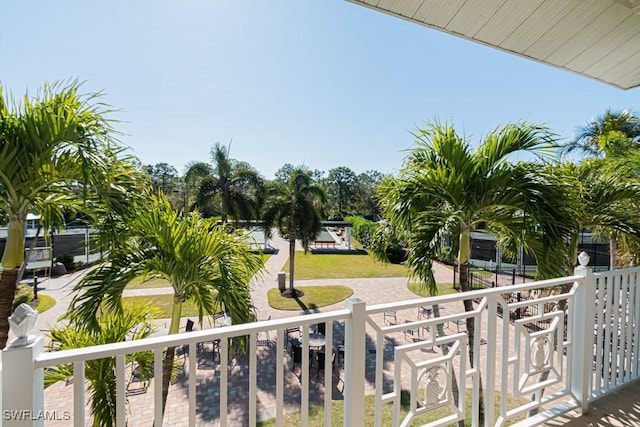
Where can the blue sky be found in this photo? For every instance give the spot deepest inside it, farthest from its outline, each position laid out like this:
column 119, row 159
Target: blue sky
column 325, row 83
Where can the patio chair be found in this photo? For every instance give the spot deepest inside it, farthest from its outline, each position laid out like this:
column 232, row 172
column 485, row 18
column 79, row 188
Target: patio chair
column 320, row 361
column 296, row 353
column 293, row 333
column 389, row 315
column 424, row 312
column 413, row 332
column 263, row 339
column 322, row 328
column 136, row 378
column 220, row 320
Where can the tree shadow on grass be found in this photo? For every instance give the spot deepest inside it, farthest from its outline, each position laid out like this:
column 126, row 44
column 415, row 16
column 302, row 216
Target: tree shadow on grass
column 304, row 306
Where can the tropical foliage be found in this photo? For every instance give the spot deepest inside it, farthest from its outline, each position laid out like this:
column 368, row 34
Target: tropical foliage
column 206, row 265
column 132, row 323
column 57, row 154
column 295, row 208
column 613, row 134
column 363, row 229
column 446, row 188
column 231, row 182
column 605, row 195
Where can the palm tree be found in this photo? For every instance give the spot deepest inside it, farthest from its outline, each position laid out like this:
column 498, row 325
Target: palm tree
column 615, row 134
column 446, row 188
column 205, row 264
column 132, row 323
column 231, row 181
column 294, row 208
column 195, row 171
column 606, row 194
column 56, row 152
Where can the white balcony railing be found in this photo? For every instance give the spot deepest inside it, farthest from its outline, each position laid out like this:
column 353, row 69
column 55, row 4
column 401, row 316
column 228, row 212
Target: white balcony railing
column 538, row 348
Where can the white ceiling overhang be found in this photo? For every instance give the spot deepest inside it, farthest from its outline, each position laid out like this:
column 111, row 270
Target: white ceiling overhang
column 596, row 38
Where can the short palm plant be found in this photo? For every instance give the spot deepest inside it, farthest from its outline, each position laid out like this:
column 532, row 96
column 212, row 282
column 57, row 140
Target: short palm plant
column 207, row 265
column 132, row 323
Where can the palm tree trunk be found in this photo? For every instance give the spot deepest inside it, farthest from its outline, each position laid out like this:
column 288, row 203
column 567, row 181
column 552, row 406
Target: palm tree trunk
column 167, row 367
column 464, row 255
column 292, row 254
column 8, row 283
column 11, row 260
column 613, row 253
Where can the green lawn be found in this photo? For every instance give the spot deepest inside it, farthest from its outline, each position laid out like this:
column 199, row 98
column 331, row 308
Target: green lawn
column 316, row 413
column 164, row 303
column 161, row 283
column 335, row 266
column 483, row 274
column 24, row 294
column 314, row 297
column 153, row 283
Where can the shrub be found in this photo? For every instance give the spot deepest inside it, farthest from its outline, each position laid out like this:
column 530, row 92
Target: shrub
column 397, row 254
column 67, row 260
column 22, row 297
column 363, row 229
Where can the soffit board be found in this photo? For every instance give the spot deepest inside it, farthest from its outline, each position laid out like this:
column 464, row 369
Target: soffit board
column 596, row 38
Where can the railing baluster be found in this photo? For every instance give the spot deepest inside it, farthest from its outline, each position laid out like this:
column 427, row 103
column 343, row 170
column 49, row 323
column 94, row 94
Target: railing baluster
column 224, row 376
column 121, row 391
column 615, row 331
column 328, row 372
column 78, row 394
column 157, row 387
column 304, row 377
column 280, row 374
column 354, row 358
column 253, row 377
column 193, row 366
column 379, row 379
column 489, row 402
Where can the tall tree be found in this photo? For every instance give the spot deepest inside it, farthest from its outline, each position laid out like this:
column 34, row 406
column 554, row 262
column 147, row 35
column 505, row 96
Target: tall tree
column 615, row 134
column 341, row 189
column 446, row 187
column 194, row 173
column 232, row 181
column 206, row 265
column 163, row 177
column 57, row 152
column 295, row 208
column 605, row 195
column 366, row 201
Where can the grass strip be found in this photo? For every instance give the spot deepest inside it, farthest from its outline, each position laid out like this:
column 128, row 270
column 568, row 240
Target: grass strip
column 314, row 297
column 337, row 266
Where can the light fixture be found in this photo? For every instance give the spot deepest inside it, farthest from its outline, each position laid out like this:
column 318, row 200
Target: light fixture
column 583, row 259
column 22, row 322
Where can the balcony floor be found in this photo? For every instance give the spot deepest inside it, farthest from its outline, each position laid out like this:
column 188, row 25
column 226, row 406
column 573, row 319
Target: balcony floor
column 620, row 408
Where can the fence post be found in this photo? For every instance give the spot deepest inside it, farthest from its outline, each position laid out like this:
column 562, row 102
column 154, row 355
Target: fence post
column 22, row 385
column 582, row 315
column 354, row 362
